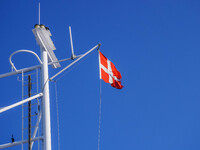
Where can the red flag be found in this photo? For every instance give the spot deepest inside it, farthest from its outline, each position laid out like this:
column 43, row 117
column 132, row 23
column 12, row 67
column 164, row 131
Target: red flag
column 108, row 72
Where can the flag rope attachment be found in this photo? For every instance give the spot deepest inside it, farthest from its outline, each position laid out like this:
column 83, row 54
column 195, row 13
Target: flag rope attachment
column 99, row 130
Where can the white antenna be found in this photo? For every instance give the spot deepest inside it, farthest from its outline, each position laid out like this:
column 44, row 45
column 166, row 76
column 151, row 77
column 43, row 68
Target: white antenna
column 39, row 14
column 72, row 48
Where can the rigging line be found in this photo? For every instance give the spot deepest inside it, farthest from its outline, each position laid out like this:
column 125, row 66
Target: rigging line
column 56, row 94
column 66, row 72
column 45, row 84
column 78, row 63
column 57, row 79
column 99, row 130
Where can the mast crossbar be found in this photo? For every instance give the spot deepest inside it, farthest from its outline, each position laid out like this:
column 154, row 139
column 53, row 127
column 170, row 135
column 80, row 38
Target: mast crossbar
column 24, row 70
column 19, row 142
column 20, row 102
column 98, row 45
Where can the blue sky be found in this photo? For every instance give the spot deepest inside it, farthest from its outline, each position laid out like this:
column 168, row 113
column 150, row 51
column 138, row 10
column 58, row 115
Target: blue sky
column 155, row 46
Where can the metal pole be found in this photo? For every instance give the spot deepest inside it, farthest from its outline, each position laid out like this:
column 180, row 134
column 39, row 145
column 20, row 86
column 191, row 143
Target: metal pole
column 22, row 109
column 36, row 129
column 29, row 113
column 70, row 33
column 19, row 142
column 45, row 102
column 98, row 45
column 31, row 68
column 20, row 102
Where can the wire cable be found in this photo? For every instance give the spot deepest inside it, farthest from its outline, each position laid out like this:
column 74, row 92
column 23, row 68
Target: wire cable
column 74, row 66
column 56, row 94
column 99, row 130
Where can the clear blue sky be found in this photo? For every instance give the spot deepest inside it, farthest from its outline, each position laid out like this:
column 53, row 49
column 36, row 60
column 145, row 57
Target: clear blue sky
column 154, row 44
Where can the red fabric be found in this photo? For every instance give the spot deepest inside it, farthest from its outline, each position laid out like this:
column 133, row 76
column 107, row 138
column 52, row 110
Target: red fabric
column 109, row 75
column 103, row 61
column 104, row 76
column 115, row 71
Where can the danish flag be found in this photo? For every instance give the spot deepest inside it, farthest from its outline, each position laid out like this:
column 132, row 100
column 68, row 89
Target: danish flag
column 108, row 72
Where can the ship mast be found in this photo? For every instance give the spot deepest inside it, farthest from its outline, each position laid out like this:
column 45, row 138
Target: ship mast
column 45, row 102
column 42, row 35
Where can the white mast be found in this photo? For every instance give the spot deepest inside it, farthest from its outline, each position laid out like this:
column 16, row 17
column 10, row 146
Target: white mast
column 45, row 87
column 42, row 35
column 45, row 102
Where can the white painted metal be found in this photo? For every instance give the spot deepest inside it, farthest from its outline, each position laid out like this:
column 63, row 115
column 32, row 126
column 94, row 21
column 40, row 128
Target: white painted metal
column 31, row 68
column 22, row 109
column 59, row 61
column 19, row 71
column 20, row 102
column 74, row 61
column 43, row 39
column 19, row 142
column 38, row 109
column 72, row 48
column 36, row 128
column 19, row 51
column 45, row 102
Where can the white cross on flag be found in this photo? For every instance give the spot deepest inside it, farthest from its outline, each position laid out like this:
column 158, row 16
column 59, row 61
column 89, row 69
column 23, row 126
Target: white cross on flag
column 108, row 72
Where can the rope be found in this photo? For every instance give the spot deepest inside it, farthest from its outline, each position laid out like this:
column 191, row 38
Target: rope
column 56, row 94
column 99, row 131
column 57, row 115
column 75, row 65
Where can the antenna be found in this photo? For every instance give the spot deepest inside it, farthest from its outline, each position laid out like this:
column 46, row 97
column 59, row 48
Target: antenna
column 39, row 13
column 72, row 48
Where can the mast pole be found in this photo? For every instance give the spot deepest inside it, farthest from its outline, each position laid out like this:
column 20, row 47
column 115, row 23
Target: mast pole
column 45, row 102
column 46, row 123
